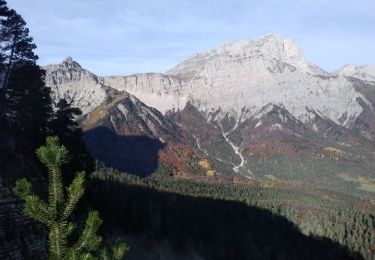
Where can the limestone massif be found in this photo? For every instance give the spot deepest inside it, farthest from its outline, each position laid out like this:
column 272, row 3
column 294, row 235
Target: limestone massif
column 243, row 104
column 244, row 74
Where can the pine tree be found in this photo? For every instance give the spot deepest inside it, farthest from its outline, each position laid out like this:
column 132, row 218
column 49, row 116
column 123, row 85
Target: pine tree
column 56, row 211
column 25, row 102
column 28, row 107
column 4, row 13
column 17, row 46
column 3, row 9
column 64, row 125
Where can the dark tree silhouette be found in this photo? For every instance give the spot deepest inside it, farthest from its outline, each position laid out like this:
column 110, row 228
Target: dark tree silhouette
column 24, row 98
column 17, row 46
column 27, row 107
column 64, row 125
column 4, row 11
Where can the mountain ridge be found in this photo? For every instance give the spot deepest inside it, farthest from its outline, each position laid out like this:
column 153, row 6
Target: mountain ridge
column 270, row 64
column 365, row 72
column 246, row 116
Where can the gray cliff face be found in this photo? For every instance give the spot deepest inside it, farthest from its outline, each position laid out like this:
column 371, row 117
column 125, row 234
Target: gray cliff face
column 161, row 91
column 235, row 81
column 85, row 90
column 235, row 76
column 78, row 86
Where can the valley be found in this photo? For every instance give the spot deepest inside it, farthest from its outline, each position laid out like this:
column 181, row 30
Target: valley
column 161, row 137
column 249, row 121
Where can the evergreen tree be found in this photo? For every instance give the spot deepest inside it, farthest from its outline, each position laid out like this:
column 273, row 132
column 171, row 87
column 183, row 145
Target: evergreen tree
column 25, row 103
column 65, row 126
column 56, row 211
column 17, row 46
column 4, row 11
column 28, row 107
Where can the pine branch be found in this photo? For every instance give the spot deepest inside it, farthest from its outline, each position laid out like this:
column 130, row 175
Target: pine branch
column 54, row 156
column 119, row 250
column 104, row 254
column 38, row 209
column 88, row 256
column 89, row 241
column 22, row 188
column 75, row 192
column 71, row 228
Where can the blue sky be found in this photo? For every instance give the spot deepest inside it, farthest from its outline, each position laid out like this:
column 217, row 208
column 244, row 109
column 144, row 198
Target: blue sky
column 120, row 37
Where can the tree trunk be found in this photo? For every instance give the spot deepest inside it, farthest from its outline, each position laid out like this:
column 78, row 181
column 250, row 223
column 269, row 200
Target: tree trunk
column 9, row 68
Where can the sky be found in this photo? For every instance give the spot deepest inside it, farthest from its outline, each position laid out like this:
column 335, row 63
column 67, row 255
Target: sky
column 121, row 37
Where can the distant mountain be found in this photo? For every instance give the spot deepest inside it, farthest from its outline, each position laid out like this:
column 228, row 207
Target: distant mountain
column 362, row 72
column 254, row 109
column 245, row 74
column 271, row 69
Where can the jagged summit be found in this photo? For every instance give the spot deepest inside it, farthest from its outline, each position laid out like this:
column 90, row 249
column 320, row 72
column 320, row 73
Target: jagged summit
column 70, row 62
column 270, row 48
column 67, row 63
column 79, row 86
column 272, row 45
column 68, row 59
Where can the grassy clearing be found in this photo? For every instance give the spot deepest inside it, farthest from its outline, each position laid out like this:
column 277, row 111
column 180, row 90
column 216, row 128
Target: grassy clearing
column 271, row 177
column 365, row 183
column 334, row 150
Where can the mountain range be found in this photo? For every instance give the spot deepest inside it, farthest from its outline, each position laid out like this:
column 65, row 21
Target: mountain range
column 249, row 111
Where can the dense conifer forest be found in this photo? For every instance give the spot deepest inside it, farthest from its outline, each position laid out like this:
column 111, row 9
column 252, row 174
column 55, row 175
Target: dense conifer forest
column 277, row 223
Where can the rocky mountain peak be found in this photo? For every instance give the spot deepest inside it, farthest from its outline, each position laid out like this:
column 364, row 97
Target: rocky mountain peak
column 69, row 59
column 271, row 45
column 364, row 72
column 67, row 71
column 78, row 86
column 69, row 62
column 264, row 51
